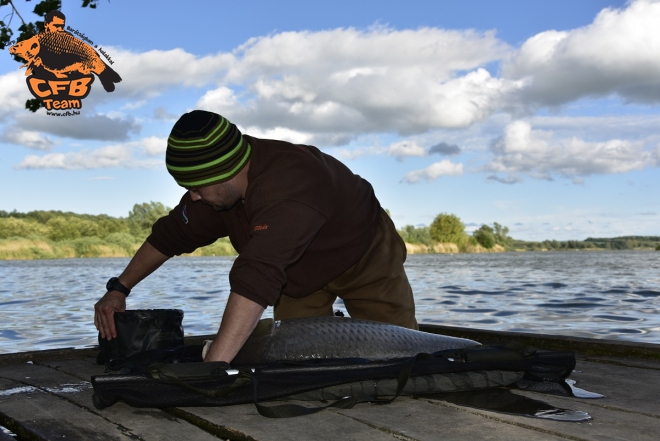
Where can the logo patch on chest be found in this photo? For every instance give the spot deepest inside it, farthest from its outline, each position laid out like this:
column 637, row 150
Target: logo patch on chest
column 184, row 215
column 260, row 227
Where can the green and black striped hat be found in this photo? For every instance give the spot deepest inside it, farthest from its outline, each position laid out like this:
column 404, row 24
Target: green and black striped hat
column 205, row 149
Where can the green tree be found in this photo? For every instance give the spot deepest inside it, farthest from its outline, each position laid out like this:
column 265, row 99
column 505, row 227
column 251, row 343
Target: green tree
column 448, row 228
column 411, row 234
column 143, row 216
column 28, row 29
column 15, row 227
column 63, row 228
column 501, row 234
column 485, row 236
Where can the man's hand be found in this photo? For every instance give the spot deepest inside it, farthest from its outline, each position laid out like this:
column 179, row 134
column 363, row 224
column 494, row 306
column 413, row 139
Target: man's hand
column 145, row 261
column 238, row 321
column 104, row 310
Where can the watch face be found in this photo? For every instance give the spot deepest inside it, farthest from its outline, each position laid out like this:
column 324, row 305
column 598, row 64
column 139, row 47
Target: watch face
column 111, row 284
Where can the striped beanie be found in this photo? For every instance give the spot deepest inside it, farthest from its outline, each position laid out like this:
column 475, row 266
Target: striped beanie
column 205, row 149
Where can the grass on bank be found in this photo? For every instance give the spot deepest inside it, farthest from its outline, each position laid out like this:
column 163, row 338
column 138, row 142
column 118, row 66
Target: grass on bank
column 58, row 235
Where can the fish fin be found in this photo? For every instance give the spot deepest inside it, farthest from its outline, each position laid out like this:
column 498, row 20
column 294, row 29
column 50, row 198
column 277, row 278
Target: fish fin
column 108, row 77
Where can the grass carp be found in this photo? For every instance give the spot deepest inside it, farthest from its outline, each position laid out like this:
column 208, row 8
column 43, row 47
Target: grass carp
column 62, row 54
column 338, row 337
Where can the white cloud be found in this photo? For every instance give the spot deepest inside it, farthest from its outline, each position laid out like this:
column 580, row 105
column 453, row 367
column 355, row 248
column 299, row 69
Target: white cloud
column 30, row 139
column 279, row 133
column 152, row 145
column 400, row 150
column 104, row 157
column 359, row 152
column 221, row 100
column 536, row 153
column 406, row 148
column 345, row 82
column 13, row 93
column 97, row 127
column 616, row 53
column 161, row 114
column 434, row 171
column 506, row 180
column 111, row 156
column 150, row 73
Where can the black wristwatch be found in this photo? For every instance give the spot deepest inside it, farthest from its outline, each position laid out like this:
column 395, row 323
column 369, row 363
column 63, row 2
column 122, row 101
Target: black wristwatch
column 115, row 285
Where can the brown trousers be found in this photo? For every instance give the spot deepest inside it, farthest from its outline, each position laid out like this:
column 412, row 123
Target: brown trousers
column 375, row 288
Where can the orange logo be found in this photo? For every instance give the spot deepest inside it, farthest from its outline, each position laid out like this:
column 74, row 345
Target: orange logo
column 260, row 227
column 60, row 66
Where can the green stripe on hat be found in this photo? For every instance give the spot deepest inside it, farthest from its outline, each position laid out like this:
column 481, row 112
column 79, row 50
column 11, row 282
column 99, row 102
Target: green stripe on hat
column 220, row 178
column 208, row 164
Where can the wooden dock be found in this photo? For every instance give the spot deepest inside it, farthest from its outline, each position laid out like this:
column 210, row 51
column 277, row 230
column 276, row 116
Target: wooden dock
column 46, row 395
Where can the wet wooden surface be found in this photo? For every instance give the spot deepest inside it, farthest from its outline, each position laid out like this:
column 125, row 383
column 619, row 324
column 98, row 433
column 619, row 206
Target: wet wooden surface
column 52, row 400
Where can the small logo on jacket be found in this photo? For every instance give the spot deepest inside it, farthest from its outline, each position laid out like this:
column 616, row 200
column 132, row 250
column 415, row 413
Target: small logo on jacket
column 260, row 227
column 184, row 215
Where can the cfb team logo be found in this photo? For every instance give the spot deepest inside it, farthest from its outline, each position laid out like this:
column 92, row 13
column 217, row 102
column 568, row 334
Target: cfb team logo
column 60, row 66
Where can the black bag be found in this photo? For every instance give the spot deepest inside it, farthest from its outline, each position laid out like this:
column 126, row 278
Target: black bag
column 141, row 330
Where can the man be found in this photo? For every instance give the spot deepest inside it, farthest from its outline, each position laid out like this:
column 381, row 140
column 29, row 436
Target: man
column 306, row 228
column 54, row 21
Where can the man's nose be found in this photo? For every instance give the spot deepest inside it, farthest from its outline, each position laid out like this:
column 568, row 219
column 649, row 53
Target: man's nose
column 194, row 195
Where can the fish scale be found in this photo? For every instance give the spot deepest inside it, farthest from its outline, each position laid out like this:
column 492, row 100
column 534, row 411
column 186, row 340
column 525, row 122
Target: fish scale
column 338, row 337
column 61, row 48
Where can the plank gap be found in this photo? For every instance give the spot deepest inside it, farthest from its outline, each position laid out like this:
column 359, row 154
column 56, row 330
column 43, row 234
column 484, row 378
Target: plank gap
column 216, row 430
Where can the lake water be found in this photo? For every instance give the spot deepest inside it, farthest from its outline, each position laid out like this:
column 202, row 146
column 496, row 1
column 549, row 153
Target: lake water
column 48, row 304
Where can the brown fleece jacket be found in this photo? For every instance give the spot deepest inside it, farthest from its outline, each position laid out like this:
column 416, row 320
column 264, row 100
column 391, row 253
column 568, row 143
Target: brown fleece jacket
column 305, row 220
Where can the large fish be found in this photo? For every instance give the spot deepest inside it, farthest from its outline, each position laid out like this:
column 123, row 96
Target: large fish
column 337, row 337
column 62, row 54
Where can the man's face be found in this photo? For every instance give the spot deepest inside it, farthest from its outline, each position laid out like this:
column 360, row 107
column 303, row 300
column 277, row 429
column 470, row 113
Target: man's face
column 221, row 196
column 55, row 25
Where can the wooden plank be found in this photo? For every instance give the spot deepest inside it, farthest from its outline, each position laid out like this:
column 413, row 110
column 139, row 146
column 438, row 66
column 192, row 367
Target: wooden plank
column 30, row 412
column 606, row 424
column 49, row 354
column 618, row 361
column 82, row 368
column 323, row 426
column 629, row 388
column 409, row 418
column 145, row 424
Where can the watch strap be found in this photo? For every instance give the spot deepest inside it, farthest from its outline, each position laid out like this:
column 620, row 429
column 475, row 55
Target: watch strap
column 115, row 285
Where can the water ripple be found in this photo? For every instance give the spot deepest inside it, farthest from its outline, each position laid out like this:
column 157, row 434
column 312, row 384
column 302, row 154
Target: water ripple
column 613, row 295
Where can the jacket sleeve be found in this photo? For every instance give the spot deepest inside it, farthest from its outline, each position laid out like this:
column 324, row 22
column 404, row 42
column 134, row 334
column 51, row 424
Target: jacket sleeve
column 280, row 234
column 190, row 225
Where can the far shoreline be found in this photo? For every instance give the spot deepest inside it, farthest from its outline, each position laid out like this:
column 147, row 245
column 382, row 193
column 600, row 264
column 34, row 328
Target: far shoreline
column 27, row 249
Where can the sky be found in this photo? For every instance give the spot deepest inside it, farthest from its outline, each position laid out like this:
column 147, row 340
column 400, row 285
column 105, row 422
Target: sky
column 541, row 116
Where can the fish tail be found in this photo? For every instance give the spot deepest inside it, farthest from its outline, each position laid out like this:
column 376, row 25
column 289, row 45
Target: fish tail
column 108, row 78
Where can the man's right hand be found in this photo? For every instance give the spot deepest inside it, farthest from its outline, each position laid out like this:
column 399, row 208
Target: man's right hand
column 104, row 310
column 144, row 262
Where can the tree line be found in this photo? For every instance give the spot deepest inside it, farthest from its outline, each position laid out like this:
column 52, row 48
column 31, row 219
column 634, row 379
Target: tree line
column 55, row 234
column 448, row 228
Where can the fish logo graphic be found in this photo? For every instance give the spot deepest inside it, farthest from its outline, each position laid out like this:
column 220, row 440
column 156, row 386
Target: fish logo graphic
column 60, row 67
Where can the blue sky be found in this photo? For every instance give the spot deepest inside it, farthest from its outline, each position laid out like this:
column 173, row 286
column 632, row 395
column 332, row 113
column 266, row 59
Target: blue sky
column 541, row 115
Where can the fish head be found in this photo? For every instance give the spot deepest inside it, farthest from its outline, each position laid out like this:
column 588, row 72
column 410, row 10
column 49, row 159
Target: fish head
column 26, row 49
